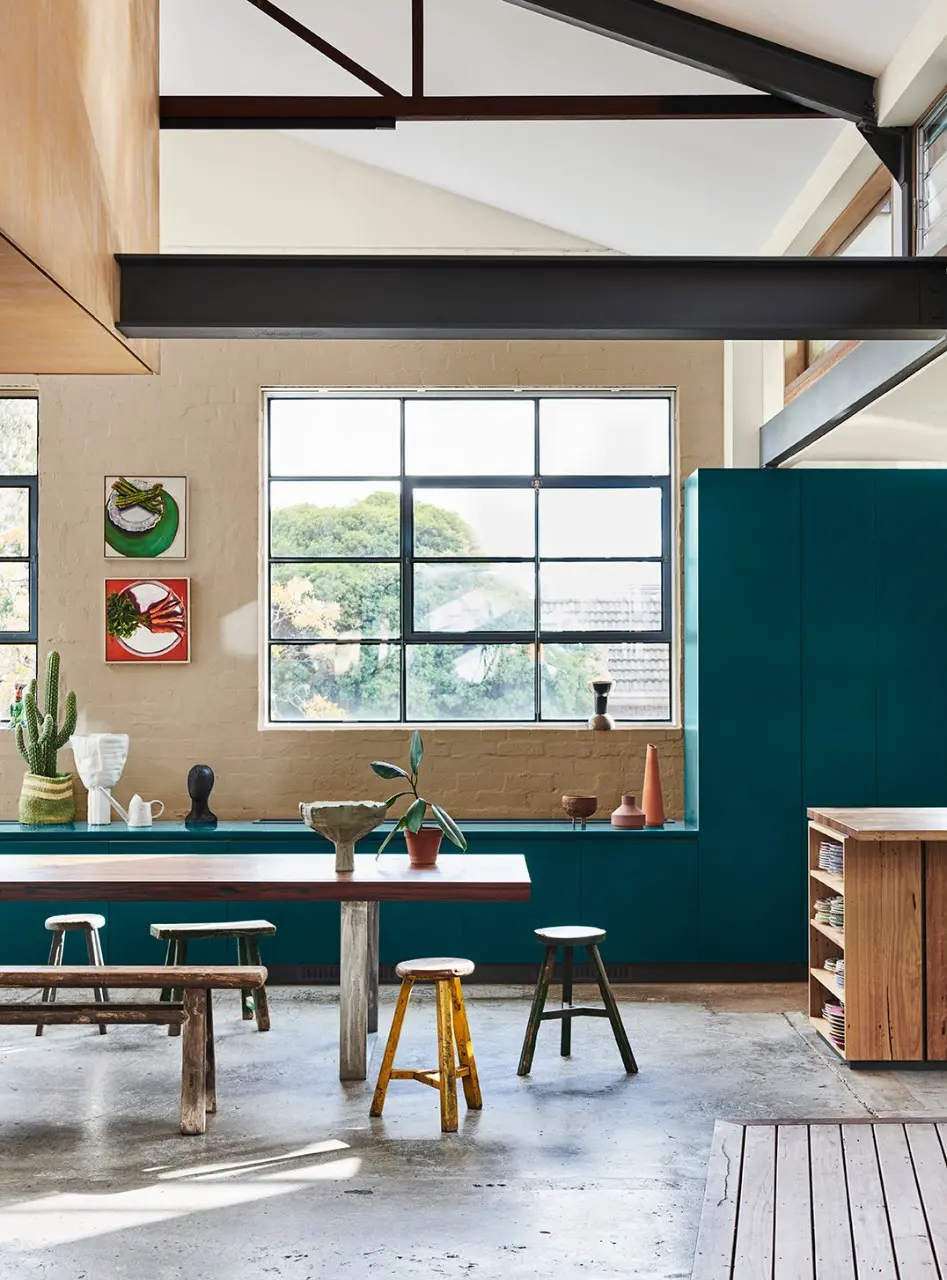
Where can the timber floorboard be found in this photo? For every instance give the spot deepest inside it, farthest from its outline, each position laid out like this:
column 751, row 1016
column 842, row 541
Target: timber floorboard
column 825, row 1201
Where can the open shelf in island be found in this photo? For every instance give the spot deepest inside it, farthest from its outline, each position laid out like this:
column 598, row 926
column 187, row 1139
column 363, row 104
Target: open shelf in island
column 895, row 938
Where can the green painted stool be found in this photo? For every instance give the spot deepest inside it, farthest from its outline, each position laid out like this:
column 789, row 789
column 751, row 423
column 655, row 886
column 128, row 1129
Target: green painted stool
column 569, row 937
column 248, row 953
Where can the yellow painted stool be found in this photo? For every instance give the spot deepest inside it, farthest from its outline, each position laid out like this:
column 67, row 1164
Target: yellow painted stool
column 445, row 972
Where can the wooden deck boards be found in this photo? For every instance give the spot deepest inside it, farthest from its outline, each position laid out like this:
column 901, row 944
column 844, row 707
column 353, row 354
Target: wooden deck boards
column 825, row 1201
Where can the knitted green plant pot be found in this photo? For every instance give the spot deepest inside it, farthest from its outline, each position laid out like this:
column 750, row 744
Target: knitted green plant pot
column 47, row 801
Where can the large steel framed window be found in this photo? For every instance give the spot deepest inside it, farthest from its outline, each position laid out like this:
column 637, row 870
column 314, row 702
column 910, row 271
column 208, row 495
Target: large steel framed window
column 19, row 517
column 468, row 558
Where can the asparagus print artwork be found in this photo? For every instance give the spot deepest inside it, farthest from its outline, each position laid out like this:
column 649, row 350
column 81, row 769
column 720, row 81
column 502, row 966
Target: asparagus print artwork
column 147, row 620
column 146, row 517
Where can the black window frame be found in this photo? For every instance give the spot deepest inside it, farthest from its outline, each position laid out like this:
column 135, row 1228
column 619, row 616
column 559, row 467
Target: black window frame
column 31, row 559
column 407, row 559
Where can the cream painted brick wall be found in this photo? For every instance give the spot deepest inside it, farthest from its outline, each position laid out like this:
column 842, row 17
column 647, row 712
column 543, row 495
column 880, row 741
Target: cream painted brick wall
column 201, row 417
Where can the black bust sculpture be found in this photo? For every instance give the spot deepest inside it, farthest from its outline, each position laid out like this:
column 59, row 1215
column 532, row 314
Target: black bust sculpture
column 200, row 783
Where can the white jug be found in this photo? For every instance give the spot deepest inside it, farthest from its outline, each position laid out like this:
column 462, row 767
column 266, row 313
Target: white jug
column 140, row 812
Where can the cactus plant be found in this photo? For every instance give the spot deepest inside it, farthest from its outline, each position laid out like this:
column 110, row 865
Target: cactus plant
column 38, row 734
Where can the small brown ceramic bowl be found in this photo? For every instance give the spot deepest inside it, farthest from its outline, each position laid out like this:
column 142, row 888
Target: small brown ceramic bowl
column 580, row 807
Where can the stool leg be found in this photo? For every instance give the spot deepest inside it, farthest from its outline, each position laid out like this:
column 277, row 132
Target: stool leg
column 260, row 1002
column 614, row 1017
column 180, row 957
column 465, row 1053
column 565, row 1037
column 388, row 1061
column 246, row 995
column 447, row 1070
column 171, row 957
column 94, row 953
column 55, row 957
column 536, row 1012
column 210, row 1056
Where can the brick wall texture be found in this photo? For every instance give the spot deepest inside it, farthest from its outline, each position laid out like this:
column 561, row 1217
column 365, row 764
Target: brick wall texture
column 201, row 418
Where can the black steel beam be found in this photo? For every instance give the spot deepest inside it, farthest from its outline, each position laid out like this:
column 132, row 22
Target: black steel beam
column 862, row 377
column 522, row 296
column 722, row 51
column 258, row 112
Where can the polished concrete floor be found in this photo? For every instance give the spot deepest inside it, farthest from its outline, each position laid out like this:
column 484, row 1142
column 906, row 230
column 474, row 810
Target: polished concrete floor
column 578, row 1171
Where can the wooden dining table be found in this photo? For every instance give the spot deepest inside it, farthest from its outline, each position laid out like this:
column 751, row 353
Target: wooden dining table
column 169, row 877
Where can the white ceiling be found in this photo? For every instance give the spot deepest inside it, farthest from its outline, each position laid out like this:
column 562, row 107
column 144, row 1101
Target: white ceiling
column 649, row 188
column 907, row 426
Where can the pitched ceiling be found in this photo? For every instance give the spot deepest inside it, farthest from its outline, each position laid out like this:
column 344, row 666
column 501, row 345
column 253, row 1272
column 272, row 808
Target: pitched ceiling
column 638, row 187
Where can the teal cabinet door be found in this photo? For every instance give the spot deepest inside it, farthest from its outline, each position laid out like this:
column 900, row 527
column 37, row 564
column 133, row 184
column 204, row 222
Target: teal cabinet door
column 747, row 632
column 839, row 737
column 911, row 621
column 646, row 899
column 502, row 932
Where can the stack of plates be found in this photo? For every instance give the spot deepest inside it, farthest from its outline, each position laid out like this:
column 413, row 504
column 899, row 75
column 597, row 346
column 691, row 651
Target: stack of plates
column 837, row 913
column 831, row 964
column 840, row 973
column 823, row 910
column 834, row 1015
column 832, row 857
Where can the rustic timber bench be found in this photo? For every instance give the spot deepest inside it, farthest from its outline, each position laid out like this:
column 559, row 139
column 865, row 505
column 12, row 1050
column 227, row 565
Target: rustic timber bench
column 194, row 1013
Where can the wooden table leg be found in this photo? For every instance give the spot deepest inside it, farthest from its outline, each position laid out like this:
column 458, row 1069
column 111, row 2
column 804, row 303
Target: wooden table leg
column 373, row 920
column 565, row 1039
column 353, row 992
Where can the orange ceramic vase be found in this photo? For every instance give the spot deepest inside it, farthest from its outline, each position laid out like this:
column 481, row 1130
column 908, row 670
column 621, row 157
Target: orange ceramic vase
column 652, row 801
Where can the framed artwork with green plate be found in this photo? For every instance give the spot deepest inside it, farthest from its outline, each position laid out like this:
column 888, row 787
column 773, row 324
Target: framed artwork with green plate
column 146, row 517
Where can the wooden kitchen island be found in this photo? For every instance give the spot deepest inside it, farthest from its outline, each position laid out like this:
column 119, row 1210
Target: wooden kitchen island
column 894, row 937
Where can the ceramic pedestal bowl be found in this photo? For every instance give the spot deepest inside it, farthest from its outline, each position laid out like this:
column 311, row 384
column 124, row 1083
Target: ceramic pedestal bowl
column 343, row 822
column 580, row 807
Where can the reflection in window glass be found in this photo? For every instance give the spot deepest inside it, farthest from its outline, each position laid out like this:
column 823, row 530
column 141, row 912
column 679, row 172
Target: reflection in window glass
column 19, row 418
column 474, row 522
column 334, row 682
column 326, row 600
column 322, row 436
column 616, row 596
column 475, row 437
column 515, row 551
column 599, row 522
column 624, row 436
column 474, row 597
column 641, row 675
column 329, row 518
column 470, row 682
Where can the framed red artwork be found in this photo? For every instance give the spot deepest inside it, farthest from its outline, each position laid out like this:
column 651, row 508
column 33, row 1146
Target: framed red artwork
column 147, row 620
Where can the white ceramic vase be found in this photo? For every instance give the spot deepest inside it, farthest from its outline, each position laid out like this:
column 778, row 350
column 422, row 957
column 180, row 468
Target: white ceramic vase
column 100, row 759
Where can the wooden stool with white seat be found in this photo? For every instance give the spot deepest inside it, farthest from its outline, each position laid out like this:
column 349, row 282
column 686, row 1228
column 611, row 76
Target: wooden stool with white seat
column 88, row 923
column 452, row 1029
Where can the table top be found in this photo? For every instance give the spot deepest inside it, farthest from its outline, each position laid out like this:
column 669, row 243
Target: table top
column 297, row 877
column 884, row 824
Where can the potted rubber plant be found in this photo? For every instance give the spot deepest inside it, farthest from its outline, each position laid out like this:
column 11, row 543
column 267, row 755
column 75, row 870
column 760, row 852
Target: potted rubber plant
column 47, row 796
column 423, row 842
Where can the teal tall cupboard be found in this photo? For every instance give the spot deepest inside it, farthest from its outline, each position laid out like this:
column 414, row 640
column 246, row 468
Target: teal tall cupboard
column 814, row 674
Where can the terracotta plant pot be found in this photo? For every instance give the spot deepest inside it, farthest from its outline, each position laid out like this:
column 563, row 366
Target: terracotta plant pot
column 423, row 846
column 628, row 817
